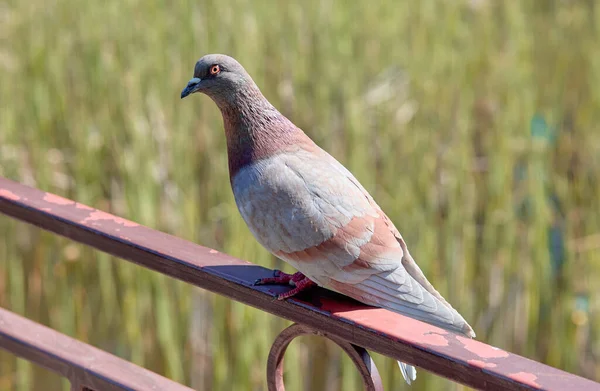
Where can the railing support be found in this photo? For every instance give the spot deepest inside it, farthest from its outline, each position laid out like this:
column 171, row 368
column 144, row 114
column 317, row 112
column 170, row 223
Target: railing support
column 359, row 356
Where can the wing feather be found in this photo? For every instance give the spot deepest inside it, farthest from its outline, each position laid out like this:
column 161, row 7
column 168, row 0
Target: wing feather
column 310, row 211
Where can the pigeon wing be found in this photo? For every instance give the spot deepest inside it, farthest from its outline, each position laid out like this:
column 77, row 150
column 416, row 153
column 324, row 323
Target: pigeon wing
column 309, row 210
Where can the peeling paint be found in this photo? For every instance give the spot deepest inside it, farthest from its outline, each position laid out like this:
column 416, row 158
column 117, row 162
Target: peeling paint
column 481, row 364
column 525, row 378
column 9, row 194
column 409, row 329
column 434, row 339
column 58, row 200
column 82, row 206
column 98, row 215
column 480, row 349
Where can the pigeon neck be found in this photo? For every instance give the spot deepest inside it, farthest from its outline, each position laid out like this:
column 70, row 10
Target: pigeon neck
column 254, row 129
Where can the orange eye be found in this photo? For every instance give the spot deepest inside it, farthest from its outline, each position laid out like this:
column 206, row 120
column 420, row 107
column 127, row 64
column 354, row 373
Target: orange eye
column 215, row 69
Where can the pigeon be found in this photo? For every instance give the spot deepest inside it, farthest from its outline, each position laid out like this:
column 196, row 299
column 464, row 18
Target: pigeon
column 307, row 209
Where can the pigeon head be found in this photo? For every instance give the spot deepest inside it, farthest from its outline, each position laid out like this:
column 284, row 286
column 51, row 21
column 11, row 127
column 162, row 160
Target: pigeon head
column 220, row 77
column 253, row 127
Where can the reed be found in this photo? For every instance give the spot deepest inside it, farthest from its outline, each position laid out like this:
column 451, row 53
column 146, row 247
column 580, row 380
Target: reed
column 473, row 123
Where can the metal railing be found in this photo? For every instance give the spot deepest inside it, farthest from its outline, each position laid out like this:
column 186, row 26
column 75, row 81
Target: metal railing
column 356, row 328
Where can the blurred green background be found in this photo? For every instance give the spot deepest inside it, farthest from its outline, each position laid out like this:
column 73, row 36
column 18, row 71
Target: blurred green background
column 474, row 124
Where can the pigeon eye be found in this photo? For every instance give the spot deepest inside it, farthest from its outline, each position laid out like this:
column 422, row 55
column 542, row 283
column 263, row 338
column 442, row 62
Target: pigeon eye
column 215, row 69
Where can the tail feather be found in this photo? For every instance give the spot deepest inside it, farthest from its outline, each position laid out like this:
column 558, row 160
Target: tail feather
column 411, row 299
column 408, row 372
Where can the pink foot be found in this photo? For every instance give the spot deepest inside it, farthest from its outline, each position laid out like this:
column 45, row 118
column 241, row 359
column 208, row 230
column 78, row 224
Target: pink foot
column 299, row 280
column 301, row 285
column 279, row 278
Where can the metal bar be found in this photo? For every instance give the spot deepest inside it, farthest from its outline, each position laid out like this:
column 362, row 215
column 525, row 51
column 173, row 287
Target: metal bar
column 85, row 366
column 463, row 360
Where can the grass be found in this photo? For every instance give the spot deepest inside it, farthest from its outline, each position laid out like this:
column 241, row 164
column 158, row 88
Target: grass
column 473, row 123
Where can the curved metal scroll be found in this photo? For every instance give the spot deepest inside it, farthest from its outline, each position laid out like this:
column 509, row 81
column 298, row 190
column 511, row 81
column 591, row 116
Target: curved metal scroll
column 360, row 357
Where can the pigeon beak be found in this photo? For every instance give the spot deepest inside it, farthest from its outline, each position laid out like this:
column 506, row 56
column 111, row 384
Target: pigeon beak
column 192, row 86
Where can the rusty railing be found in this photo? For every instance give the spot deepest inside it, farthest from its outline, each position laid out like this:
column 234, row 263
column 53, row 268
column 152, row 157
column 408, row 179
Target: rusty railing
column 356, row 328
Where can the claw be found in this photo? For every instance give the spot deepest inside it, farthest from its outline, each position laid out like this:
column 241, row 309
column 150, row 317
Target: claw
column 279, row 277
column 301, row 285
column 298, row 280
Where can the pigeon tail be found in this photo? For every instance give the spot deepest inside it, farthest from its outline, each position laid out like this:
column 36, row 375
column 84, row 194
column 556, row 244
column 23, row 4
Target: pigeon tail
column 409, row 373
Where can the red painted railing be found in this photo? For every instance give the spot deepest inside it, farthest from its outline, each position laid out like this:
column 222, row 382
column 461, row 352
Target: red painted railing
column 351, row 325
